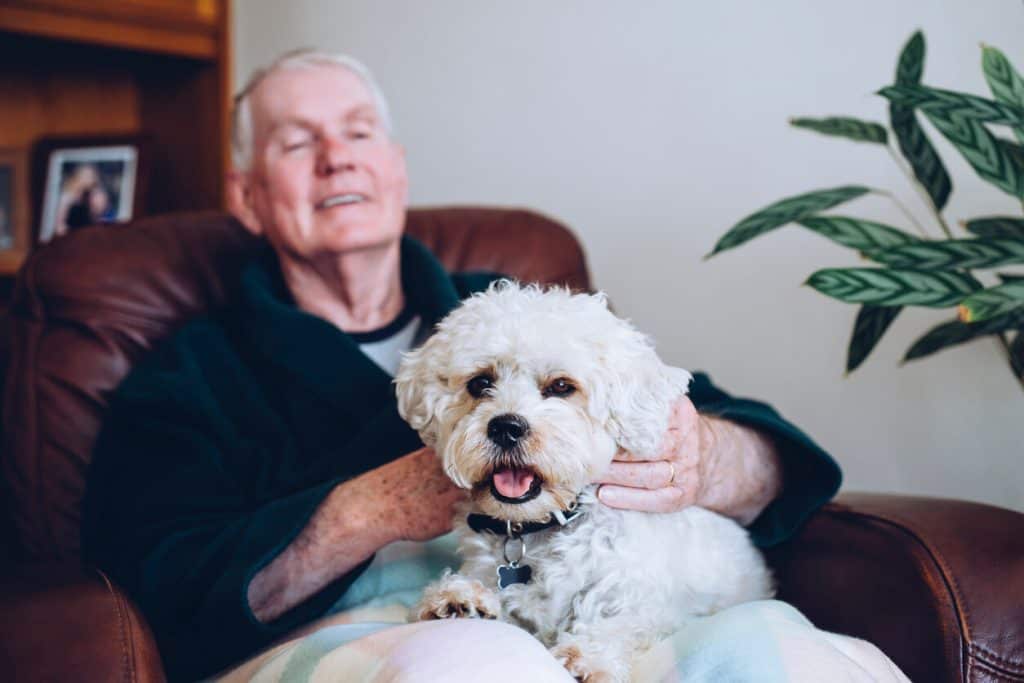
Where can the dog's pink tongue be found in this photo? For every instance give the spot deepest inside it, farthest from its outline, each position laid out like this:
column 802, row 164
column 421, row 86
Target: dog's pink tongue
column 513, row 482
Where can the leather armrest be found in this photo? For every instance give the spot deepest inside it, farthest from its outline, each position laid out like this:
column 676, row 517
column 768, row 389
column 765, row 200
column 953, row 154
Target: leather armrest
column 937, row 584
column 64, row 622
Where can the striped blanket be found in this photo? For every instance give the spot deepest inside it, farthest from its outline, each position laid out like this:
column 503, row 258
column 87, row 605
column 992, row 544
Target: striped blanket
column 365, row 638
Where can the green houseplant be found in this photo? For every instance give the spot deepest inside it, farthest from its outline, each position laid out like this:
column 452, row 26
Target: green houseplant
column 913, row 269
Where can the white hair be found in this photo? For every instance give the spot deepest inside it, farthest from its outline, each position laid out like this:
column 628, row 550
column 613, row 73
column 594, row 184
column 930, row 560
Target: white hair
column 241, row 114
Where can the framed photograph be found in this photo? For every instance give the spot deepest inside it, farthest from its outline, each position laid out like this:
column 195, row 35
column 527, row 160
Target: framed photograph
column 14, row 199
column 87, row 181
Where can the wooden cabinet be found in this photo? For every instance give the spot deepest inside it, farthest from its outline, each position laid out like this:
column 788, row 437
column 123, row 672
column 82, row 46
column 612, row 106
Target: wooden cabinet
column 153, row 67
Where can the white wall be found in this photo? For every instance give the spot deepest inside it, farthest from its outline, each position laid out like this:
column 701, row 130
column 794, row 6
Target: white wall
column 651, row 128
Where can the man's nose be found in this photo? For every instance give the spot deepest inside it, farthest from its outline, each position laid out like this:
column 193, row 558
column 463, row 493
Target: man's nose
column 334, row 154
column 507, row 430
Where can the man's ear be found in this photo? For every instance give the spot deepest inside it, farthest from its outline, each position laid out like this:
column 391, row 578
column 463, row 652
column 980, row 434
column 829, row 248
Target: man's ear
column 240, row 200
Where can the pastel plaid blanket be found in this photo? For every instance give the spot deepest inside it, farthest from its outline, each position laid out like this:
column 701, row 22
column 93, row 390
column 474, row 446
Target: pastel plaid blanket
column 365, row 638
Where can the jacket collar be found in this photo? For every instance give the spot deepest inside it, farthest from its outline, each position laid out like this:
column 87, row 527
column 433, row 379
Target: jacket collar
column 298, row 342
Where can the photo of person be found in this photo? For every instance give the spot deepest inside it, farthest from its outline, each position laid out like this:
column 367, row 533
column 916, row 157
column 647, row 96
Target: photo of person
column 87, row 186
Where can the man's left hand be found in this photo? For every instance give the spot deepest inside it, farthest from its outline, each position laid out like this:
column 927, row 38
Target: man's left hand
column 702, row 461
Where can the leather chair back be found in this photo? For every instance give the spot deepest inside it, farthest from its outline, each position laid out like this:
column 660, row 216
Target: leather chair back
column 89, row 304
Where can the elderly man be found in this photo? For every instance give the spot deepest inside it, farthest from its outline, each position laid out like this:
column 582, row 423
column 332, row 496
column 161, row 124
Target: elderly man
column 276, row 464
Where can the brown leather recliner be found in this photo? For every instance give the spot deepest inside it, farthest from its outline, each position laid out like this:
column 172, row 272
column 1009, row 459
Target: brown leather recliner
column 937, row 584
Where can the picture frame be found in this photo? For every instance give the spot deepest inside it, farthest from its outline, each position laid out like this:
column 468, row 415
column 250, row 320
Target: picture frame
column 82, row 181
column 14, row 200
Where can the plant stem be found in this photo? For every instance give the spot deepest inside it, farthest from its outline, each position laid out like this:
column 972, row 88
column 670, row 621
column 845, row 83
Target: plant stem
column 942, row 222
column 906, row 213
column 925, row 197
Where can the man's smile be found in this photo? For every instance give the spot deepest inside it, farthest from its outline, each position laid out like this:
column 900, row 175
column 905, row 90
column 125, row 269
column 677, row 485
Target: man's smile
column 343, row 199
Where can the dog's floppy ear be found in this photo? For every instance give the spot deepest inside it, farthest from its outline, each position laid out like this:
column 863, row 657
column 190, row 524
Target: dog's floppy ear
column 421, row 392
column 640, row 392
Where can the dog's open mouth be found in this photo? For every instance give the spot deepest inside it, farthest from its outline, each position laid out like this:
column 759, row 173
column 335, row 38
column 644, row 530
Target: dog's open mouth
column 515, row 484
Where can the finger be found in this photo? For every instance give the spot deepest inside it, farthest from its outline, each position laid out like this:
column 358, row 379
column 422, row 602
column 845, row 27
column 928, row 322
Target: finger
column 625, row 498
column 644, row 475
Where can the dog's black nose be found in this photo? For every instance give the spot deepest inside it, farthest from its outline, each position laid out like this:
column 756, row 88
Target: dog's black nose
column 507, row 430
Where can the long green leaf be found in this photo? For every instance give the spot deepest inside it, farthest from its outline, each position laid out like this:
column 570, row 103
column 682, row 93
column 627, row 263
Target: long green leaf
column 845, row 127
column 953, row 254
column 1009, row 277
column 981, row 150
column 1003, row 79
column 910, row 66
column 956, row 332
column 856, row 233
column 913, row 143
column 996, row 226
column 785, row 211
column 948, row 103
column 888, row 287
column 1014, row 151
column 871, row 324
column 992, row 302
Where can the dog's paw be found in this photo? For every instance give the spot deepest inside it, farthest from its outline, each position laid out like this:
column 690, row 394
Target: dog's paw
column 586, row 669
column 456, row 597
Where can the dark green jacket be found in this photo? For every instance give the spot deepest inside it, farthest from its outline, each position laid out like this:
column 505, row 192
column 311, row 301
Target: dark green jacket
column 219, row 446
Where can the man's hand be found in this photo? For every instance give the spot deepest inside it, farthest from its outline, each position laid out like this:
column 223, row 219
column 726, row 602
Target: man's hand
column 703, row 461
column 409, row 498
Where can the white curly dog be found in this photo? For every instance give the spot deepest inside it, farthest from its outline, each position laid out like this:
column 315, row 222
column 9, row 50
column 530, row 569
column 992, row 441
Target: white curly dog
column 527, row 395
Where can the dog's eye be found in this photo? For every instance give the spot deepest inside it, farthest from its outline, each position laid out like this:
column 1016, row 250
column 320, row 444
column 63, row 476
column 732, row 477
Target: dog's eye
column 478, row 385
column 560, row 387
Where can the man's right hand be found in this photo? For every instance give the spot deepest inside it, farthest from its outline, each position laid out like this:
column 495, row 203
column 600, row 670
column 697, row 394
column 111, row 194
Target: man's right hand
column 409, row 498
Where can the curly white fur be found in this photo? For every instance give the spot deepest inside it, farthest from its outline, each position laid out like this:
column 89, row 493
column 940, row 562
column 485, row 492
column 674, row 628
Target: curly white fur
column 613, row 582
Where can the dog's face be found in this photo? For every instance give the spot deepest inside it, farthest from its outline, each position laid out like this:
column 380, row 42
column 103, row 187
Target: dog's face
column 527, row 395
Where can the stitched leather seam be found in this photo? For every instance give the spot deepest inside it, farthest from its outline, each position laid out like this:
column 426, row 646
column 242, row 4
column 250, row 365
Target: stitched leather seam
column 996, row 660
column 995, row 671
column 972, row 647
column 123, row 628
column 944, row 572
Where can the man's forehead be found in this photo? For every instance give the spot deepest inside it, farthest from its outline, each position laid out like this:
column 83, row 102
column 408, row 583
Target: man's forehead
column 310, row 92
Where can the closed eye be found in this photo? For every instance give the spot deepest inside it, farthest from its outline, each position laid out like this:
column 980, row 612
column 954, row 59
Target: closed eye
column 293, row 136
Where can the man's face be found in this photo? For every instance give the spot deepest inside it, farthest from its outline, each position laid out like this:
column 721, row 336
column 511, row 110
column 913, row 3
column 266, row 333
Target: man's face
column 325, row 177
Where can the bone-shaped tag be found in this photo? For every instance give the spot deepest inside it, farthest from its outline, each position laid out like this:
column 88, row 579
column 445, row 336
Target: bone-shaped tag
column 513, row 573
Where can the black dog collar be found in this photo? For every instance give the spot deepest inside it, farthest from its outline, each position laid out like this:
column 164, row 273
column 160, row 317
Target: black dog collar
column 502, row 527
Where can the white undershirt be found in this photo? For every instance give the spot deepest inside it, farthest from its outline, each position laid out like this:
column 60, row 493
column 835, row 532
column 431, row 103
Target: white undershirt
column 387, row 352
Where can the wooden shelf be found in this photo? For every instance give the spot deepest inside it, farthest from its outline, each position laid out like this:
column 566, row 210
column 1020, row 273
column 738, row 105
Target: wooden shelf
column 173, row 27
column 158, row 68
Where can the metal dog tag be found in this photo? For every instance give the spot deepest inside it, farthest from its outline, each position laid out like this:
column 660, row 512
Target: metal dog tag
column 513, row 572
column 509, row 574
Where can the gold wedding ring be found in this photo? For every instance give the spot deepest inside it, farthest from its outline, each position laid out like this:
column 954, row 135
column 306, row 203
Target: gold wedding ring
column 672, row 471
